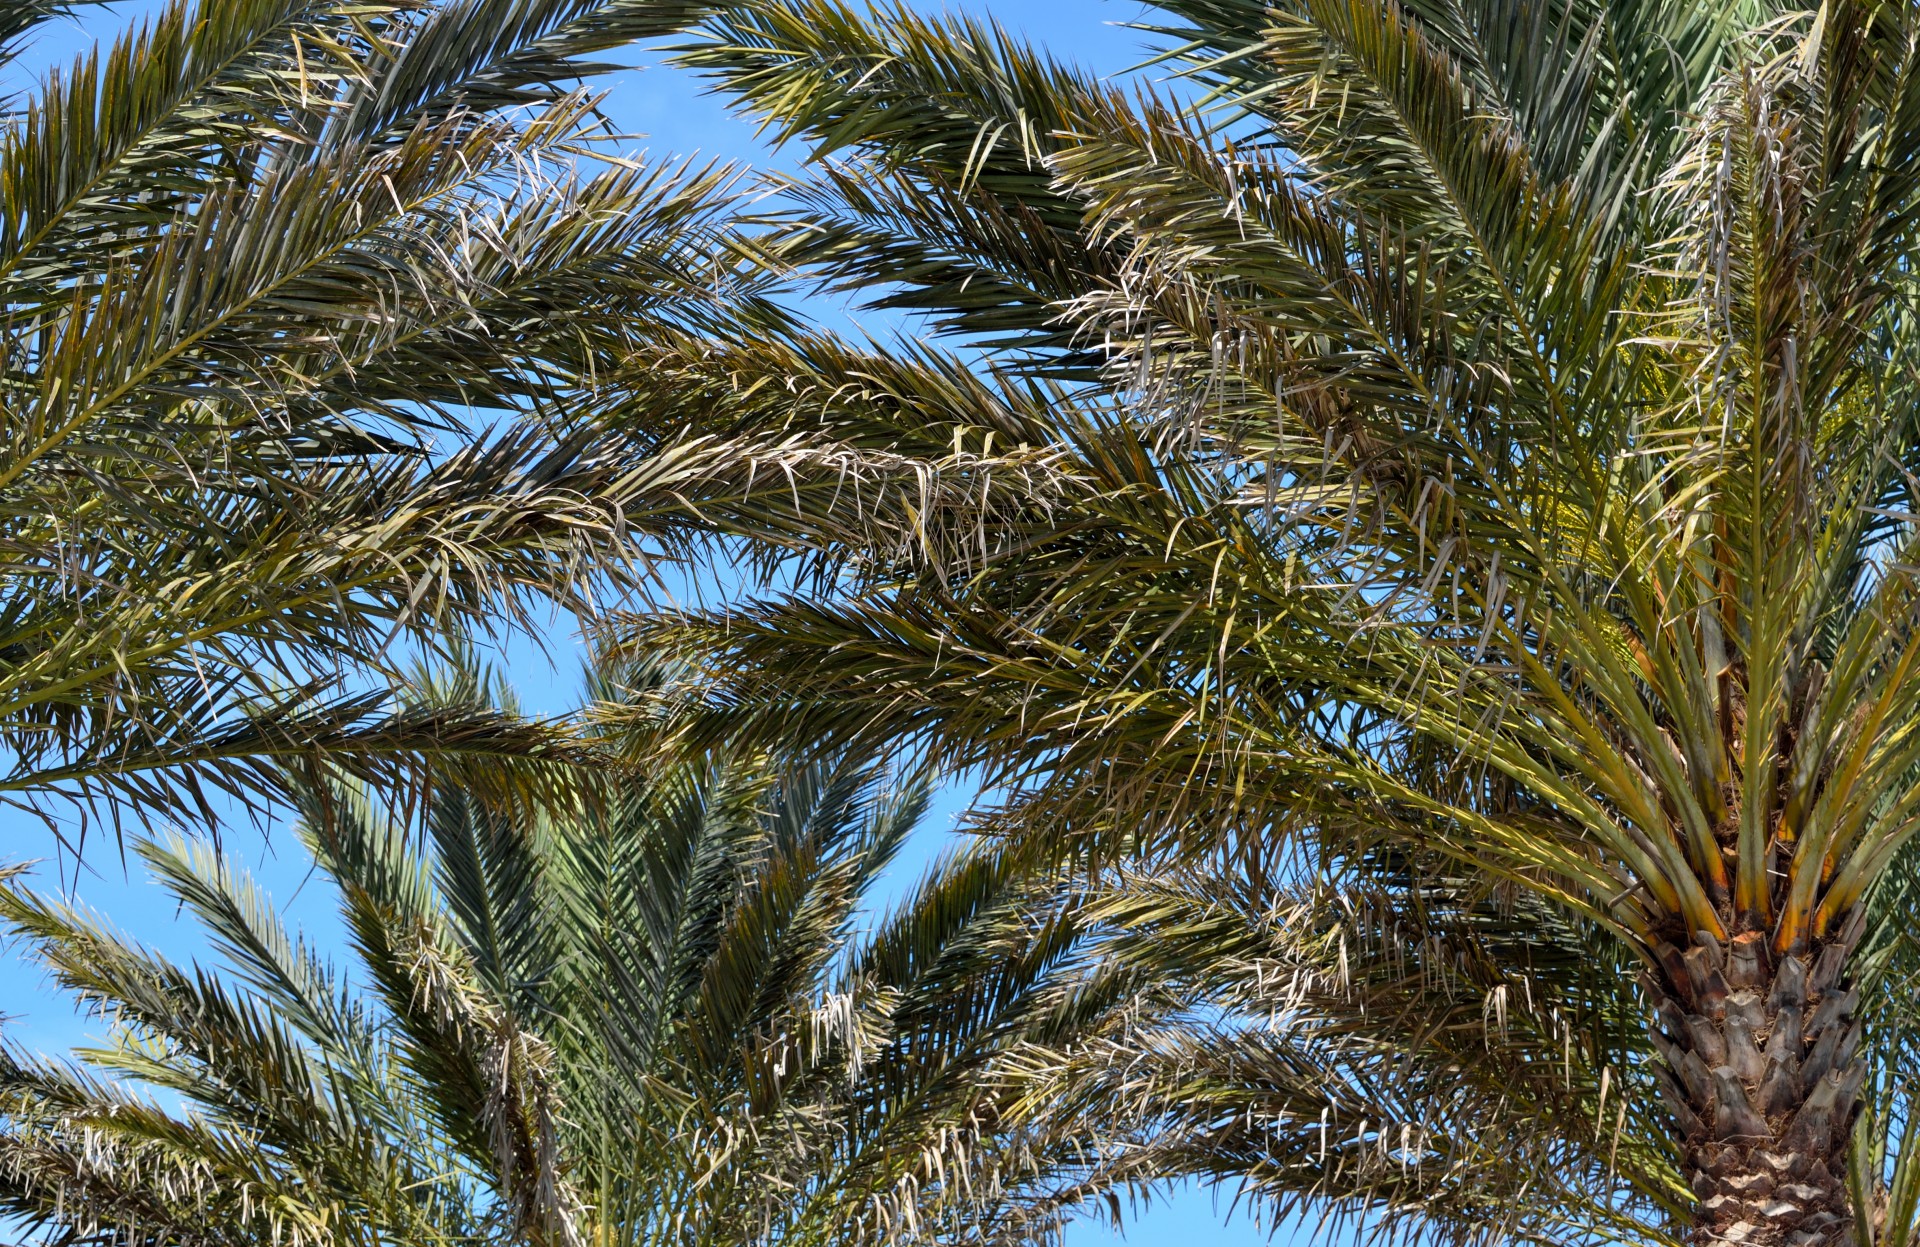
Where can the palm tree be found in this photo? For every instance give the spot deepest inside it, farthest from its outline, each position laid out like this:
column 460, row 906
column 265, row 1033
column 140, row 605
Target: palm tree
column 270, row 268
column 650, row 1018
column 1483, row 431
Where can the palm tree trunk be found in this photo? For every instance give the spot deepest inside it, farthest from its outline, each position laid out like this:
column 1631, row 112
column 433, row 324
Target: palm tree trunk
column 1763, row 1076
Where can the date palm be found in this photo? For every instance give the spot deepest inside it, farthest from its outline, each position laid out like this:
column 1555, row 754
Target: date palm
column 1484, row 429
column 652, row 1018
column 304, row 304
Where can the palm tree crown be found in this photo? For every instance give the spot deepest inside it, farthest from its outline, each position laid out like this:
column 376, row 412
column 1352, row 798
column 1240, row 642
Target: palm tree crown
column 1484, row 430
column 650, row 1019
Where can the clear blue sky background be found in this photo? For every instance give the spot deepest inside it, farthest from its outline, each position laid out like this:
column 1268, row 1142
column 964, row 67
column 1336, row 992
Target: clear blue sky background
column 675, row 116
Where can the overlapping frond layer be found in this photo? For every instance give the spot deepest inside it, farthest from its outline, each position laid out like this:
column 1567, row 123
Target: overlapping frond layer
column 1402, row 1048
column 307, row 310
column 617, row 1019
column 1502, row 442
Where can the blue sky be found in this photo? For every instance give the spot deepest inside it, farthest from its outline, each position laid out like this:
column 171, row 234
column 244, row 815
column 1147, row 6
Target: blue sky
column 676, row 117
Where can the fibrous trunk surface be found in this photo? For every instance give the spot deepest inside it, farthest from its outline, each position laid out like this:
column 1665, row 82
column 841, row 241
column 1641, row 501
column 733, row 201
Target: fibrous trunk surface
column 1763, row 1078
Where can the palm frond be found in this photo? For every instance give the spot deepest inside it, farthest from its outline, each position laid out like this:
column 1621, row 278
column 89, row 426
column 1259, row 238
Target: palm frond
column 1500, row 442
column 619, row 1016
column 257, row 258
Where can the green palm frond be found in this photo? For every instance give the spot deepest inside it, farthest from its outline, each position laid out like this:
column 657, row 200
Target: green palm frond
column 308, row 311
column 1399, row 1047
column 931, row 140
column 642, row 1015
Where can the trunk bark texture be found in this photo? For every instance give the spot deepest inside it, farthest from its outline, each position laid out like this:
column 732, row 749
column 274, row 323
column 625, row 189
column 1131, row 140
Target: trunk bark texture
column 1763, row 1076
